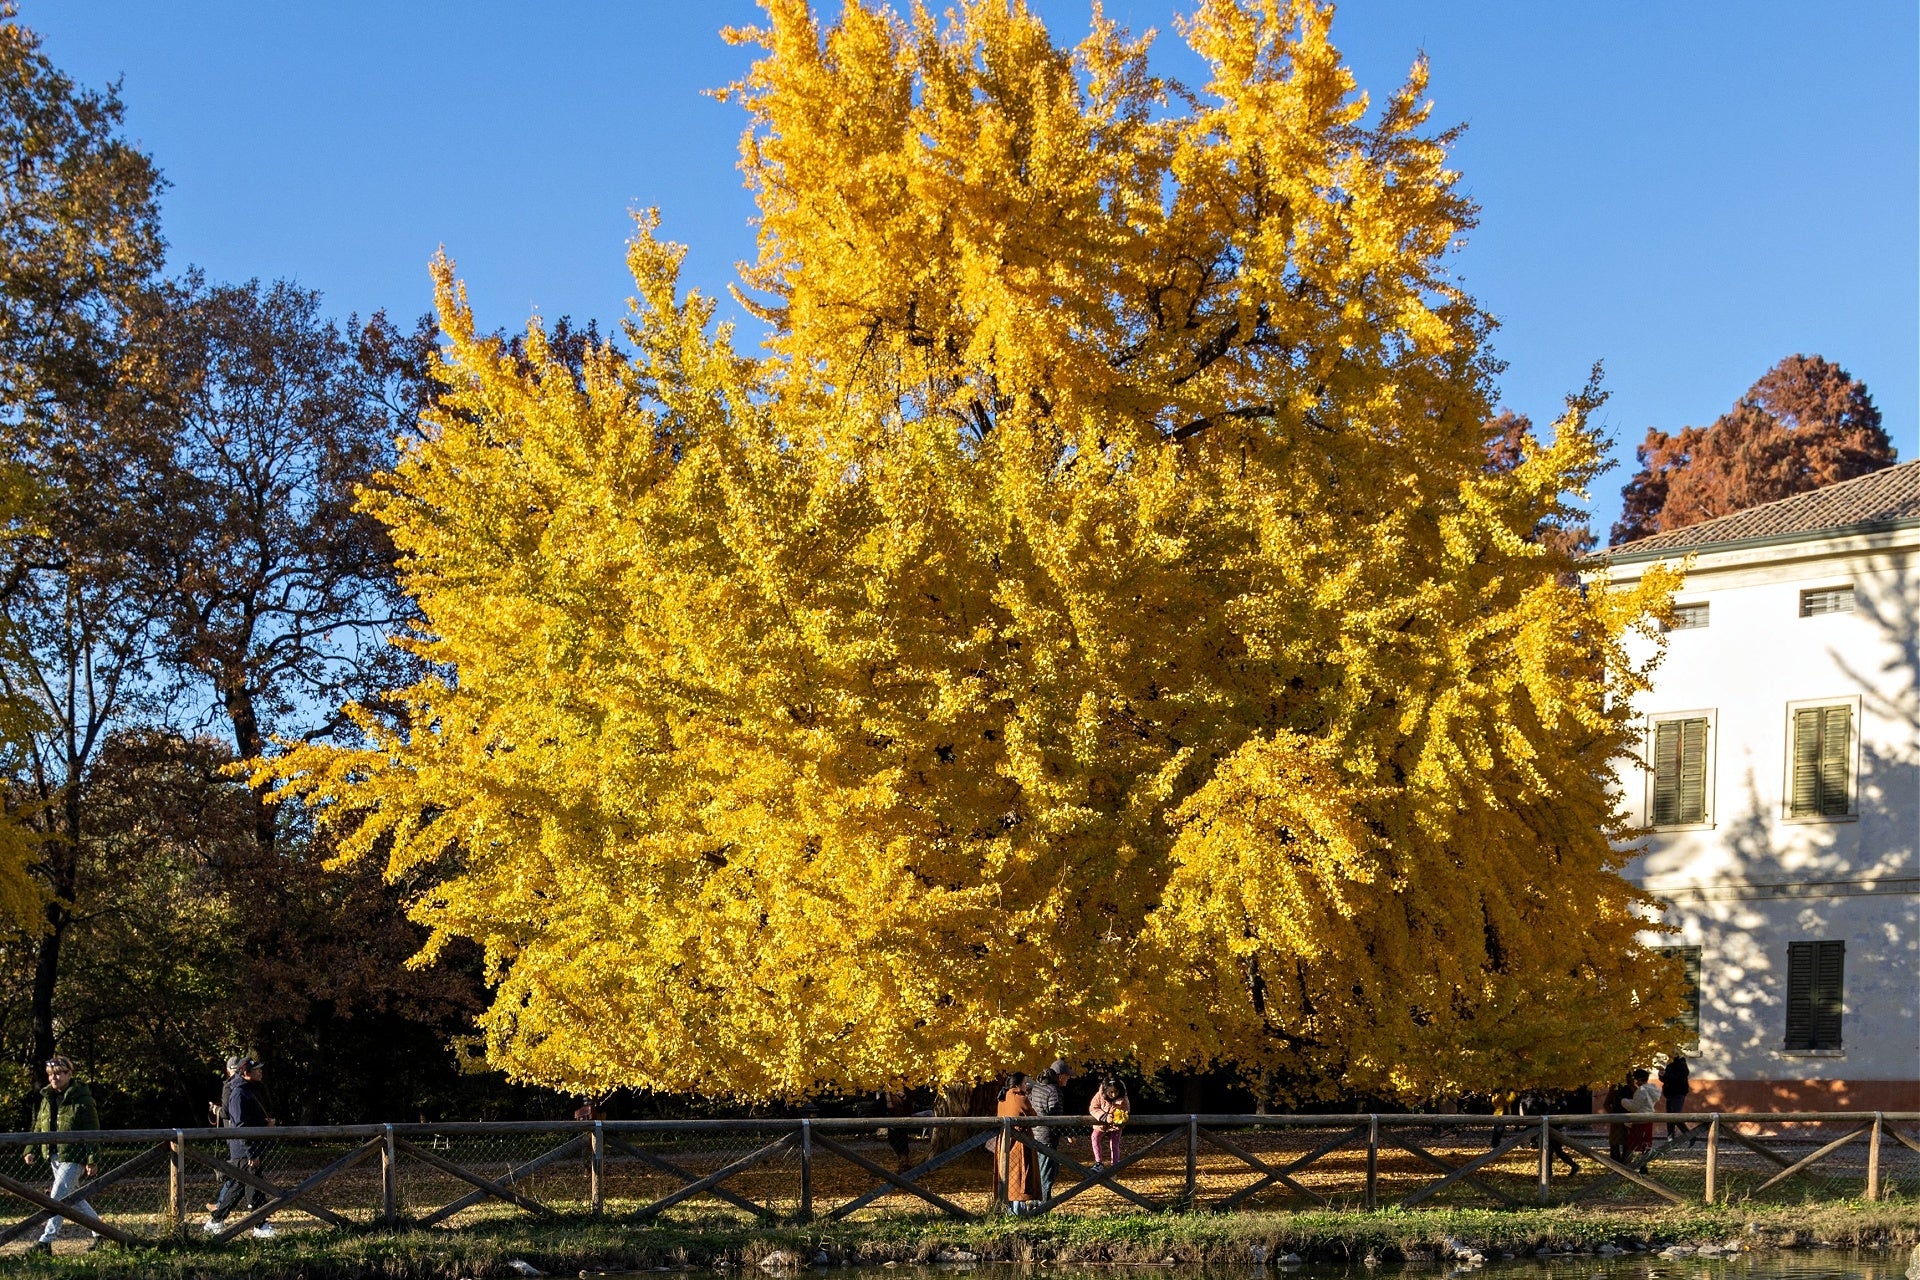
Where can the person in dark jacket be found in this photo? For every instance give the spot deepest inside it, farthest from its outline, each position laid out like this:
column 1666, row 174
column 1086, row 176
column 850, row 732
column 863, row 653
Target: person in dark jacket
column 896, row 1103
column 1674, row 1088
column 66, row 1106
column 1045, row 1094
column 243, row 1106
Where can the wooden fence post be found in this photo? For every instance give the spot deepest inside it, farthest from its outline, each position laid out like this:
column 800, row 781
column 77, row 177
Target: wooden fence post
column 597, row 1169
column 1546, row 1157
column 1873, row 1157
column 1373, row 1162
column 389, row 1178
column 1193, row 1158
column 177, row 1184
column 1713, row 1157
column 806, row 1171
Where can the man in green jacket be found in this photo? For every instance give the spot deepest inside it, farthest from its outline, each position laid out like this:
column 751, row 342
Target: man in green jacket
column 66, row 1106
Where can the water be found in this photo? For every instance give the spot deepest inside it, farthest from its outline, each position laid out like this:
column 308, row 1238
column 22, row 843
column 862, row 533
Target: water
column 1798, row 1264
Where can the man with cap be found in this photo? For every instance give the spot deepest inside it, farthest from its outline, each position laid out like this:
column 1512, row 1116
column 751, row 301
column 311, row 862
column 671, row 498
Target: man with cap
column 1045, row 1095
column 243, row 1106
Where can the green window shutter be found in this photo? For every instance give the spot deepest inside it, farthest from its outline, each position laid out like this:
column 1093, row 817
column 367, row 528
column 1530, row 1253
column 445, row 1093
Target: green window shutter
column 1679, row 771
column 1836, row 736
column 1800, row 970
column 1689, row 1019
column 1666, row 772
column 1693, row 771
column 1805, row 800
column 1829, row 972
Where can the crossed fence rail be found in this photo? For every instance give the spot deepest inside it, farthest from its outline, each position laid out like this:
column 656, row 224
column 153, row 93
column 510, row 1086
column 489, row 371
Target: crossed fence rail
column 149, row 1184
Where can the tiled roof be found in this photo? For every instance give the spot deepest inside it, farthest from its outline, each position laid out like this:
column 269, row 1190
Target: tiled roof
column 1890, row 494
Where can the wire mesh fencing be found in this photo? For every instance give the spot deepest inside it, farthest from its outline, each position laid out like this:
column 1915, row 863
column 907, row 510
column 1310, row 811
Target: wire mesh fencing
column 223, row 1184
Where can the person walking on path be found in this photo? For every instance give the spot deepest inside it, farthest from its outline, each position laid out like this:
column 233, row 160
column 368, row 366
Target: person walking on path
column 1109, row 1110
column 243, row 1107
column 66, row 1106
column 1015, row 1180
column 1674, row 1087
column 1048, row 1099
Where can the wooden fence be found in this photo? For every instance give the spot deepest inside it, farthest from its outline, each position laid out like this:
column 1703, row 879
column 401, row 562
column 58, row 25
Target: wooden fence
column 147, row 1183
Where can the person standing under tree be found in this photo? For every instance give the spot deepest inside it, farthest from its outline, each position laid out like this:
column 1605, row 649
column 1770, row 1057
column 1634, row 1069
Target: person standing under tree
column 1675, row 1086
column 896, row 1103
column 1047, row 1098
column 66, row 1106
column 1014, row 1180
column 1109, row 1111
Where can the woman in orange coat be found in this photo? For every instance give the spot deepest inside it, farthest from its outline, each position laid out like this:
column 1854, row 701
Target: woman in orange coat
column 1016, row 1182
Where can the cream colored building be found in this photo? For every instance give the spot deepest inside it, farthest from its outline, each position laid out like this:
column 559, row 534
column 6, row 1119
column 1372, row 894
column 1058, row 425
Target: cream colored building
column 1782, row 787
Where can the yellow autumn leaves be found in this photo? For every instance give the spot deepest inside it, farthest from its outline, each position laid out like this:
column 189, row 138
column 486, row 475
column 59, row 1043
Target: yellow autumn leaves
column 1092, row 623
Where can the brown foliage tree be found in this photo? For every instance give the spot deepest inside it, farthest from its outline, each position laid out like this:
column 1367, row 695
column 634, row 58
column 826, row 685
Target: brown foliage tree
column 79, row 225
column 276, row 592
column 1805, row 424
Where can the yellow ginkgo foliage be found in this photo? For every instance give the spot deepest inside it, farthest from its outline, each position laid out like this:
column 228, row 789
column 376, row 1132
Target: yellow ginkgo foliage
column 1091, row 624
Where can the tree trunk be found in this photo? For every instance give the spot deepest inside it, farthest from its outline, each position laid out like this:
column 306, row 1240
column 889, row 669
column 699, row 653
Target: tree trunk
column 63, row 874
column 962, row 1098
column 46, row 973
column 249, row 744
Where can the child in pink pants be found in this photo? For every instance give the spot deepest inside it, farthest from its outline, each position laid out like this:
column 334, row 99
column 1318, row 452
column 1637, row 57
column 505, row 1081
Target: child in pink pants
column 1109, row 1112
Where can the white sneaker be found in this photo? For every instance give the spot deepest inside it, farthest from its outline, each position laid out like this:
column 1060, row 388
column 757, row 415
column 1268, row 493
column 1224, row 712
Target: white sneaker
column 265, row 1231
column 213, row 1228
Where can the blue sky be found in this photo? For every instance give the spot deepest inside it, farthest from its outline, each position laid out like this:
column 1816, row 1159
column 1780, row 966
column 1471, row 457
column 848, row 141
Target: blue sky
column 1685, row 191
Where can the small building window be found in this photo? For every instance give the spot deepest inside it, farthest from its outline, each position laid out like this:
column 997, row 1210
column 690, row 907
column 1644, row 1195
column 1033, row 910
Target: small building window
column 1824, row 600
column 1816, row 974
column 1689, row 617
column 1688, row 1023
column 1679, row 771
column 1821, row 785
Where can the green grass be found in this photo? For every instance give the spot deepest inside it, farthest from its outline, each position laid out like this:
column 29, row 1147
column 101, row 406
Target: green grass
column 567, row 1248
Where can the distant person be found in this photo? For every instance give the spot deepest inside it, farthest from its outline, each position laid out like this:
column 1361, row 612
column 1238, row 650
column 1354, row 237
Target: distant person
column 1615, row 1105
column 1109, row 1109
column 1015, row 1180
column 1645, row 1100
column 1048, row 1099
column 1674, row 1087
column 66, row 1106
column 243, row 1106
column 897, row 1104
column 1544, row 1102
column 1506, row 1102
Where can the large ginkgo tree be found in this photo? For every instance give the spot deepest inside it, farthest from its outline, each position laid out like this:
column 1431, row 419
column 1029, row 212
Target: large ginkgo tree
column 1089, row 622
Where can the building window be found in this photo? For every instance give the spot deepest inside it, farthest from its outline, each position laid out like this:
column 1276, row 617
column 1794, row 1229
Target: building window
column 1689, row 617
column 1825, row 600
column 1688, row 1023
column 1820, row 782
column 1815, row 973
column 1679, row 771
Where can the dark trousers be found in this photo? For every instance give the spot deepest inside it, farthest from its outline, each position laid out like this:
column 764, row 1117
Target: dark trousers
column 1045, row 1165
column 232, row 1191
column 1676, row 1102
